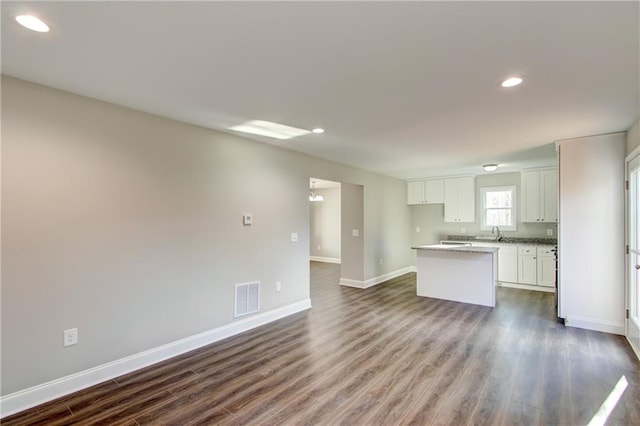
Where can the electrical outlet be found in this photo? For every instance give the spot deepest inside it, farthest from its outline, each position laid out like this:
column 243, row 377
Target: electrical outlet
column 278, row 286
column 355, row 232
column 550, row 232
column 417, row 229
column 294, row 237
column 70, row 337
column 463, row 230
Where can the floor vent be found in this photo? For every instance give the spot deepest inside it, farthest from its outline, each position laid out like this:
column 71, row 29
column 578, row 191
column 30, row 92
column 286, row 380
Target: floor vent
column 247, row 298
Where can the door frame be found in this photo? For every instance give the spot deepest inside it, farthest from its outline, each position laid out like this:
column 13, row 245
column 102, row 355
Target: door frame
column 632, row 327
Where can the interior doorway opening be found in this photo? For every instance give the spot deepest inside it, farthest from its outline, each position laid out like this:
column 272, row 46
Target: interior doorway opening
column 325, row 210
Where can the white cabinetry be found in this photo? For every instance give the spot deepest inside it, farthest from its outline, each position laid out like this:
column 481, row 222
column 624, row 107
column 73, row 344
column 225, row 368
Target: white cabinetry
column 425, row 192
column 508, row 263
column 546, row 271
column 527, row 266
column 459, row 199
column 524, row 264
column 539, row 190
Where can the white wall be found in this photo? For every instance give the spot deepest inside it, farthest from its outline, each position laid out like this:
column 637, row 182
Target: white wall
column 591, row 232
column 433, row 228
column 129, row 227
column 325, row 226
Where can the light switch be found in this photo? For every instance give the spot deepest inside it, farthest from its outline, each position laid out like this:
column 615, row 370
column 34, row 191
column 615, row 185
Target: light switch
column 355, row 232
column 247, row 219
column 417, row 229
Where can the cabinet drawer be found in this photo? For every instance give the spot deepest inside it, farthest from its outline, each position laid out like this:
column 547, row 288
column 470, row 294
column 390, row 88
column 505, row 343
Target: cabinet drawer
column 545, row 251
column 527, row 250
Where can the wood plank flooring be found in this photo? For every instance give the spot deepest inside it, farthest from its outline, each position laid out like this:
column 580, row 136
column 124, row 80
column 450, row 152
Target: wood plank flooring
column 381, row 356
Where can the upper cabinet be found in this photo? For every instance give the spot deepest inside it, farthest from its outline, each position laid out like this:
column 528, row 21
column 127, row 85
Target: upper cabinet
column 539, row 189
column 460, row 199
column 425, row 192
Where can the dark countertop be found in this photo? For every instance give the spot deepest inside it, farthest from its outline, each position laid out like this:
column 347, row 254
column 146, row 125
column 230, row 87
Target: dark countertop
column 457, row 248
column 506, row 240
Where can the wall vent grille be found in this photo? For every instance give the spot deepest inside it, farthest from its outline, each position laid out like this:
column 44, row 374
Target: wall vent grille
column 247, row 298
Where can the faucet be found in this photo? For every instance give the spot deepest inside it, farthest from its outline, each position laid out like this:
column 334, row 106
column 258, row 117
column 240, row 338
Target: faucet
column 496, row 230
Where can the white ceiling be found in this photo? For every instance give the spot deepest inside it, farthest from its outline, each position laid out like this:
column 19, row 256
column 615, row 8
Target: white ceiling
column 408, row 89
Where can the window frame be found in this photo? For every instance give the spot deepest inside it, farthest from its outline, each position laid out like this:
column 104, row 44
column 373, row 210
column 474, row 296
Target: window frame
column 483, row 192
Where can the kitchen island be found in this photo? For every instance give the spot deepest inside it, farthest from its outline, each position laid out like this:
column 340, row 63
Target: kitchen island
column 460, row 273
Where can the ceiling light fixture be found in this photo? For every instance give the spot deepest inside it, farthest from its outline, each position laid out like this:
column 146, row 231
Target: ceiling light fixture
column 318, row 130
column 490, row 167
column 511, row 82
column 313, row 195
column 32, row 23
column 269, row 129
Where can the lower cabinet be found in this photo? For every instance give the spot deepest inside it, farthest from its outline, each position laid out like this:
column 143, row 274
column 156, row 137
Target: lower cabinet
column 527, row 265
column 508, row 263
column 524, row 264
column 546, row 271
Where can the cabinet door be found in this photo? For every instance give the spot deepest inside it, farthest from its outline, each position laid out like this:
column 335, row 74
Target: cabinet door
column 549, row 195
column 466, row 199
column 546, row 273
column 434, row 191
column 507, row 267
column 530, row 187
column 451, row 200
column 415, row 192
column 527, row 270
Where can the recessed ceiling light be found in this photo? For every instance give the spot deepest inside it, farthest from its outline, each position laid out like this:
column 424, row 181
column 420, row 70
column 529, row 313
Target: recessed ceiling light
column 318, row 130
column 32, row 23
column 511, row 82
column 269, row 129
column 490, row 167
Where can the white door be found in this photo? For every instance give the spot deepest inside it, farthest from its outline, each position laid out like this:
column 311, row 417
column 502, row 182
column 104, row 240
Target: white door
column 633, row 263
column 415, row 192
column 466, row 199
column 530, row 205
column 546, row 274
column 451, row 200
column 549, row 195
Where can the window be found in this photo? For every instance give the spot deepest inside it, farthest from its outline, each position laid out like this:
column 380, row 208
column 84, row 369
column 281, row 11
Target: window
column 498, row 207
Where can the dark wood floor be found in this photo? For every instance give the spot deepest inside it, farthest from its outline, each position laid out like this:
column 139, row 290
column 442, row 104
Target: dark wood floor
column 380, row 356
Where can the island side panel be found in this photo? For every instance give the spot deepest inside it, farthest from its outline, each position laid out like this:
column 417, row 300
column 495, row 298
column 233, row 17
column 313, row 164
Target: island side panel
column 467, row 277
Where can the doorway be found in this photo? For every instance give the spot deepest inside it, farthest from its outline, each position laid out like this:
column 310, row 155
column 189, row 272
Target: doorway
column 325, row 209
column 633, row 262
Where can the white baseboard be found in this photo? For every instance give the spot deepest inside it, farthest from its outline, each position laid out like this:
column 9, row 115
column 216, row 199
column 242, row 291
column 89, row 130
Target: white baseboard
column 527, row 287
column 635, row 350
column 325, row 259
column 595, row 324
column 376, row 280
column 39, row 394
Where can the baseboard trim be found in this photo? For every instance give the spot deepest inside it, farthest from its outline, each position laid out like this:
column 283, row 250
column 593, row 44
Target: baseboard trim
column 527, row 287
column 39, row 394
column 594, row 324
column 633, row 348
column 325, row 259
column 376, row 280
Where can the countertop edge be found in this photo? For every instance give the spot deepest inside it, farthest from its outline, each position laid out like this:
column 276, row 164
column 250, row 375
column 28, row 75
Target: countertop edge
column 460, row 249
